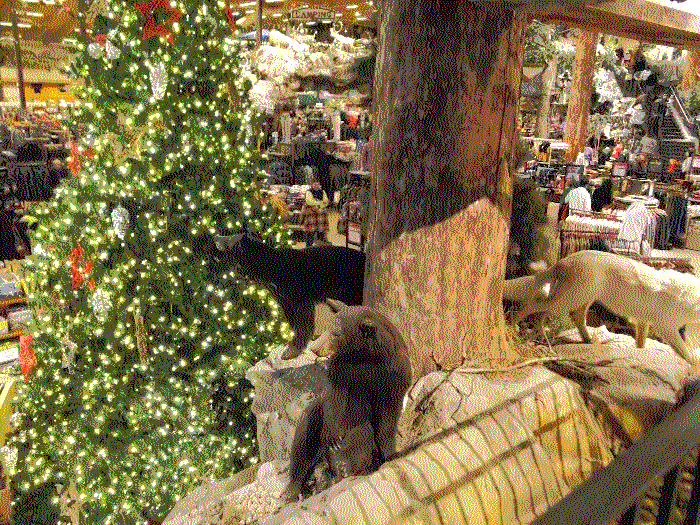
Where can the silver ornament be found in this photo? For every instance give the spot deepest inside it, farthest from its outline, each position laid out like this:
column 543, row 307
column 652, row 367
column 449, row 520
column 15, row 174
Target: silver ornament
column 112, row 51
column 95, row 50
column 120, row 221
column 101, row 301
column 159, row 80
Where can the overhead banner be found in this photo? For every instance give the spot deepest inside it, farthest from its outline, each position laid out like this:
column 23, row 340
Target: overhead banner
column 311, row 14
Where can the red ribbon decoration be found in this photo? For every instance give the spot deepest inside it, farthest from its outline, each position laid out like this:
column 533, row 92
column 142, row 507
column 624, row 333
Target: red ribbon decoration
column 27, row 357
column 74, row 161
column 229, row 16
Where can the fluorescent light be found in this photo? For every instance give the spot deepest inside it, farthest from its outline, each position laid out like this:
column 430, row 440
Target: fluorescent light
column 6, row 24
column 49, row 2
column 276, row 15
column 274, row 1
column 34, row 13
column 311, row 23
column 24, row 26
column 70, row 41
column 248, row 11
column 247, row 4
column 351, row 6
column 361, row 18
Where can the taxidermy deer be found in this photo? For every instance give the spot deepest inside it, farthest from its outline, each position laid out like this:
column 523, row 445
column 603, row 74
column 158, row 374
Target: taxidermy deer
column 666, row 299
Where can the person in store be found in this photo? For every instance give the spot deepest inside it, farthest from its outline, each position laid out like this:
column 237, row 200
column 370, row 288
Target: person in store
column 602, row 196
column 687, row 165
column 579, row 199
column 314, row 214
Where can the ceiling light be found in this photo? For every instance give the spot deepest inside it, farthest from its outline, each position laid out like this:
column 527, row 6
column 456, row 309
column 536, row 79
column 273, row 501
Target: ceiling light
column 24, row 26
column 247, row 4
column 32, row 1
column 49, row 2
column 351, row 6
column 276, row 15
column 361, row 18
column 6, row 24
column 248, row 11
column 70, row 41
column 34, row 13
column 312, row 23
column 274, row 1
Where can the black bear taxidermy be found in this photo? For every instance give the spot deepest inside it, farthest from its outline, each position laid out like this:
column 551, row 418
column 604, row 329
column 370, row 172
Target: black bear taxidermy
column 299, row 279
column 353, row 422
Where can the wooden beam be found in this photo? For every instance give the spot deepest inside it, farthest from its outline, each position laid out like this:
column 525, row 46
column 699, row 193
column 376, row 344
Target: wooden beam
column 641, row 20
column 580, row 94
column 691, row 71
column 20, row 71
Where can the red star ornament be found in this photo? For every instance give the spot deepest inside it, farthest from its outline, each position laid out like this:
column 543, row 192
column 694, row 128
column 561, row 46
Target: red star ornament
column 151, row 29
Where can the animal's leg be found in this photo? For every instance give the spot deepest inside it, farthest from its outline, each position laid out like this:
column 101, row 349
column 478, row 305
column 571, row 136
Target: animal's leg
column 642, row 332
column 303, row 326
column 674, row 339
column 579, row 318
column 386, row 414
column 305, row 448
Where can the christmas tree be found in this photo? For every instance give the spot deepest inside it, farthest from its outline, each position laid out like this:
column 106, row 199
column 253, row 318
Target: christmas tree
column 138, row 328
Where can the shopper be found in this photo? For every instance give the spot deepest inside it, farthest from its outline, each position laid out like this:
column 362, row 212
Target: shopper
column 602, row 196
column 579, row 199
column 687, row 165
column 314, row 214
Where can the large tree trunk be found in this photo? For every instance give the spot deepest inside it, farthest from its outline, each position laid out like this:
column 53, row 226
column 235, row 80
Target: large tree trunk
column 580, row 94
column 691, row 70
column 446, row 93
column 549, row 78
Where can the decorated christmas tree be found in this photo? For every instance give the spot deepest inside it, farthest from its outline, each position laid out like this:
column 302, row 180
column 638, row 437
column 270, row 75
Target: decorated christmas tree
column 140, row 334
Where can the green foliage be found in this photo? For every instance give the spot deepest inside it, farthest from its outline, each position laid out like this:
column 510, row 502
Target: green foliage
column 691, row 100
column 538, row 43
column 131, row 421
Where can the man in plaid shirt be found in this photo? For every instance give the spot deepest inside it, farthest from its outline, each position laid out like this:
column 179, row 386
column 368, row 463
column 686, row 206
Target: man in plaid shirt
column 314, row 214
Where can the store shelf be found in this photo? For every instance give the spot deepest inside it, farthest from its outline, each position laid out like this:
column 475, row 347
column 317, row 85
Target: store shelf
column 10, row 302
column 11, row 335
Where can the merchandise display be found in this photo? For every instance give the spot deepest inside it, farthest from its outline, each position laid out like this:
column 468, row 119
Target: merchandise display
column 251, row 268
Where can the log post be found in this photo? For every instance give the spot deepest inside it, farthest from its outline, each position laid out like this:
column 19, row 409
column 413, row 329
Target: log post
column 549, row 78
column 691, row 71
column 580, row 94
column 447, row 85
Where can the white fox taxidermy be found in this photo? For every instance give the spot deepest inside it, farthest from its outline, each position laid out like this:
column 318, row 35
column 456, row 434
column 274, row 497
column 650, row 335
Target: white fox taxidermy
column 666, row 299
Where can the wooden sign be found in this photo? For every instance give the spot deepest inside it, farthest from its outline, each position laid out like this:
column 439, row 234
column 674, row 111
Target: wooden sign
column 307, row 14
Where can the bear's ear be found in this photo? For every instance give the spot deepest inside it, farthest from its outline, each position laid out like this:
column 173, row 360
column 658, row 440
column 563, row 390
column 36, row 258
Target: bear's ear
column 368, row 328
column 335, row 306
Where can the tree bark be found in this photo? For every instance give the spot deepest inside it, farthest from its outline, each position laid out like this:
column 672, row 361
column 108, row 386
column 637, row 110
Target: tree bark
column 691, row 71
column 548, row 79
column 580, row 94
column 447, row 82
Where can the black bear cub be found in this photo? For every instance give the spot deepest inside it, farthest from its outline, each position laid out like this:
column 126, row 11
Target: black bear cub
column 299, row 279
column 353, row 423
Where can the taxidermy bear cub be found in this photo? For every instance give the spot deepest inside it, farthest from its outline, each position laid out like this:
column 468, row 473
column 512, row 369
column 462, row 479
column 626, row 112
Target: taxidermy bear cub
column 299, row 279
column 353, row 423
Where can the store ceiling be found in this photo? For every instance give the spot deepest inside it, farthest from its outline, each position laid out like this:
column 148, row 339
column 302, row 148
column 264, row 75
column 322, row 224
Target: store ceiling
column 55, row 20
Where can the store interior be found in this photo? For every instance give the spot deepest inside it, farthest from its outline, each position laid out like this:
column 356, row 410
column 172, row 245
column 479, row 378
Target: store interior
column 626, row 182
